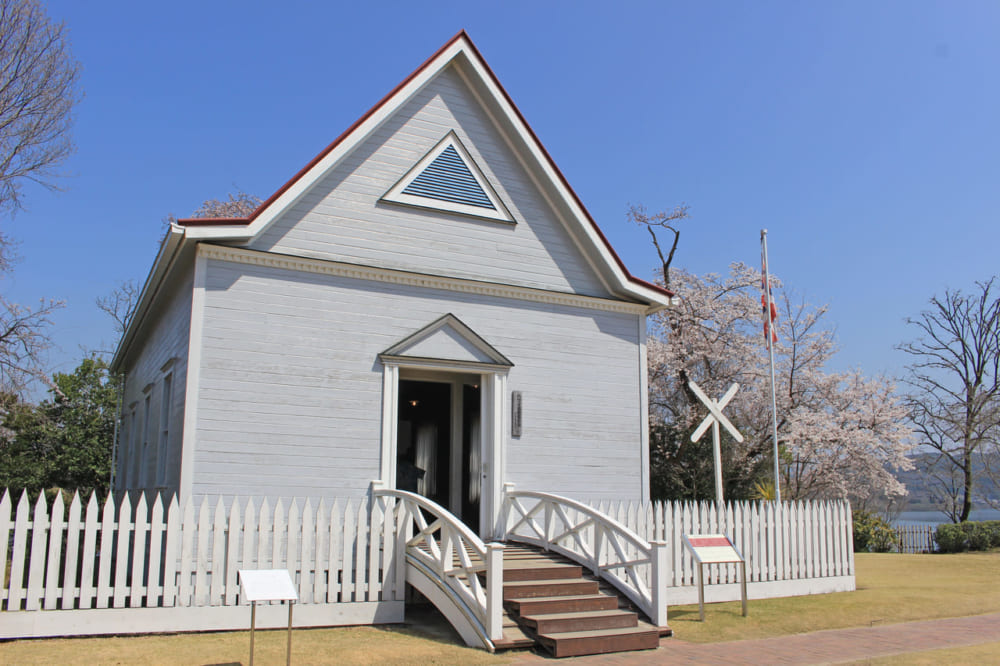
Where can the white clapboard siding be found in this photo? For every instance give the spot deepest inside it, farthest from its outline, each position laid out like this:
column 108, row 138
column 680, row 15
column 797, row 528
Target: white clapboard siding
column 133, row 556
column 797, row 541
column 290, row 395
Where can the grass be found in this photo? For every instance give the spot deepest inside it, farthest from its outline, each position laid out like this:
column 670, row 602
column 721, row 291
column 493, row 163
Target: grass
column 891, row 588
column 344, row 645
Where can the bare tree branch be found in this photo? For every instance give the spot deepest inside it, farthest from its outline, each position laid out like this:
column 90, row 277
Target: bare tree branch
column 38, row 91
column 665, row 220
column 120, row 304
column 954, row 380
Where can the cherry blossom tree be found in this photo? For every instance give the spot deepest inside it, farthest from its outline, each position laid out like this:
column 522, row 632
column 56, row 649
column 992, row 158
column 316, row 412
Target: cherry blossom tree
column 840, row 434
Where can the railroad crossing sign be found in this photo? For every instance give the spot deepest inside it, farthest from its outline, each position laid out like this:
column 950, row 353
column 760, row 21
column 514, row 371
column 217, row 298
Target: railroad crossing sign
column 714, row 418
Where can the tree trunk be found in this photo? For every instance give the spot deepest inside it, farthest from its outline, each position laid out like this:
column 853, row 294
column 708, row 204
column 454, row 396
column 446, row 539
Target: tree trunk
column 967, row 490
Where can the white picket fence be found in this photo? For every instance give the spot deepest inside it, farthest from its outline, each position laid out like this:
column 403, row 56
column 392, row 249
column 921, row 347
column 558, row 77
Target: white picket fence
column 798, row 547
column 124, row 567
column 161, row 563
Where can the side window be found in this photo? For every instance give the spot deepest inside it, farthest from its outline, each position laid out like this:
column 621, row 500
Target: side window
column 121, row 462
column 132, row 461
column 163, row 446
column 146, row 432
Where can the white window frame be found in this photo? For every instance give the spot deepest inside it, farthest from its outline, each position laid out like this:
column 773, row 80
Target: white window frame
column 132, row 460
column 147, row 413
column 166, row 404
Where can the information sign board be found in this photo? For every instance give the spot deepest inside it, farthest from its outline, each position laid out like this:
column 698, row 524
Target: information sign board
column 715, row 549
column 268, row 585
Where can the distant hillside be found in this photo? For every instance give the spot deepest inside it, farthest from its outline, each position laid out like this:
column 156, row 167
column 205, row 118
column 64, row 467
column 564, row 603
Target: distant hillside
column 921, row 498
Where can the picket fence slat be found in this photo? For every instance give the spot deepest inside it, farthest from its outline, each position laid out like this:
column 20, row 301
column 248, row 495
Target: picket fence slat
column 69, row 588
column 153, row 585
column 139, row 527
column 52, row 587
column 170, row 554
column 336, row 552
column 217, row 577
column 233, row 551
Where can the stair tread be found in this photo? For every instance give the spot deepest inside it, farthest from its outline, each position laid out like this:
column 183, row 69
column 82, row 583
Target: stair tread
column 601, row 633
column 547, row 581
column 568, row 597
column 611, row 612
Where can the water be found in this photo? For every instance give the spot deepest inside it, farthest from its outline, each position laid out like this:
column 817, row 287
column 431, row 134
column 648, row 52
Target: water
column 936, row 517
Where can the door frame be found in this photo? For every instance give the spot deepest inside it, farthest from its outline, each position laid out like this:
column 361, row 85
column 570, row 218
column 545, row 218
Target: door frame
column 494, row 433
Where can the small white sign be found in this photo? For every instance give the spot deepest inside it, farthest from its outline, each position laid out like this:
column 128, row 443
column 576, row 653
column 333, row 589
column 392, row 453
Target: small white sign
column 267, row 585
column 715, row 549
column 712, row 548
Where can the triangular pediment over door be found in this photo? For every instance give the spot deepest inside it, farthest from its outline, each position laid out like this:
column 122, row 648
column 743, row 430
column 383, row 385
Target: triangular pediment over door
column 447, row 341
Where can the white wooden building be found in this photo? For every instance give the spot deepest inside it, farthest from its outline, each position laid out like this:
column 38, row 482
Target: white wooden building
column 426, row 304
column 423, row 355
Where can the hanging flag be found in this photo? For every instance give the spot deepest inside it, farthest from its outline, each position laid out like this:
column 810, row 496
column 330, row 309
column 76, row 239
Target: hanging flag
column 767, row 307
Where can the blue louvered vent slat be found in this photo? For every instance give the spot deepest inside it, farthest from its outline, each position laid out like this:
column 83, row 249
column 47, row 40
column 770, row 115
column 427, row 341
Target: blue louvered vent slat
column 448, row 178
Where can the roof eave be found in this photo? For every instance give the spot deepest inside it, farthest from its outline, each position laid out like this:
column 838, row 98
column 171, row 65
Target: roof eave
column 170, row 247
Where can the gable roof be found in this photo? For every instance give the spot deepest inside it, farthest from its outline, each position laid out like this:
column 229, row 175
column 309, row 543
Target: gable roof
column 459, row 49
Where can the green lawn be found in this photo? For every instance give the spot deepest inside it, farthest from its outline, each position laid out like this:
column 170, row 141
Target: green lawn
column 891, row 588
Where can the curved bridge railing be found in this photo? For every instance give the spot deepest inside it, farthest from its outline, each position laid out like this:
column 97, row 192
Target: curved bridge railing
column 637, row 568
column 445, row 560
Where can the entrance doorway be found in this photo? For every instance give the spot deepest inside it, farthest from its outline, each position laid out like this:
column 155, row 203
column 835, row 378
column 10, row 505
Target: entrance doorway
column 439, row 442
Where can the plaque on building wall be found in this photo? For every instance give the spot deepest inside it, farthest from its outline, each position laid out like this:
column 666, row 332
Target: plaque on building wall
column 515, row 414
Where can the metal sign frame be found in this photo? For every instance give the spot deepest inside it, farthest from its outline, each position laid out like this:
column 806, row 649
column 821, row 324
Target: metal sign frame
column 715, row 549
column 268, row 585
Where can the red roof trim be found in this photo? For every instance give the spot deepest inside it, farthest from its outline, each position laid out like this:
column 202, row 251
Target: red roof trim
column 562, row 177
column 217, row 221
column 459, row 35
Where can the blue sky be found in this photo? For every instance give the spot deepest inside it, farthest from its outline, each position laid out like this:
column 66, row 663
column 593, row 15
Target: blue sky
column 862, row 135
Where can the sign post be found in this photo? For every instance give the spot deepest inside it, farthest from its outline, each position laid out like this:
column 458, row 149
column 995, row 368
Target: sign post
column 714, row 418
column 715, row 549
column 268, row 585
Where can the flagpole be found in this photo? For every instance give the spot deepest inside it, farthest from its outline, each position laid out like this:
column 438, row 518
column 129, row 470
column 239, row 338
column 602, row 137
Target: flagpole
column 769, row 340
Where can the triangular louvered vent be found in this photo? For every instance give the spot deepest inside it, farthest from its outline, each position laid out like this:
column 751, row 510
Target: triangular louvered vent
column 448, row 179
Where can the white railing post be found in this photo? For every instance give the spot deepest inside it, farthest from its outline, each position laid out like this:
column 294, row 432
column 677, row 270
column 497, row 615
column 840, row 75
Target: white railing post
column 494, row 591
column 659, row 580
column 505, row 501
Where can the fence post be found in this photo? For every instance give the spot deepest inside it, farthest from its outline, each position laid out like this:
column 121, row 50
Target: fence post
column 494, row 591
column 660, row 561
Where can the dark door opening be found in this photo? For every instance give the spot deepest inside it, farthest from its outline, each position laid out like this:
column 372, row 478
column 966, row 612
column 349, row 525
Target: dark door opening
column 432, row 426
column 472, row 470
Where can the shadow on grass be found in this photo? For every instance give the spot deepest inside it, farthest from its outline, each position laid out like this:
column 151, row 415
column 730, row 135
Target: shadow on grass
column 425, row 621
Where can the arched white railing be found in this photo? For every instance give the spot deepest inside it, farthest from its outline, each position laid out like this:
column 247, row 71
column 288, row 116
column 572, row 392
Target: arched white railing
column 444, row 551
column 637, row 568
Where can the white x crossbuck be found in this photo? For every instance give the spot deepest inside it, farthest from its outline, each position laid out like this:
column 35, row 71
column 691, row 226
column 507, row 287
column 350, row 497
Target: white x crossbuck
column 714, row 418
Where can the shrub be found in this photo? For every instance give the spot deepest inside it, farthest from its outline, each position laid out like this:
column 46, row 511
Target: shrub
column 873, row 533
column 958, row 538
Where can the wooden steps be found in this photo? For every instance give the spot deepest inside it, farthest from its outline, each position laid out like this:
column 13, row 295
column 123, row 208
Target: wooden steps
column 567, row 613
column 556, row 623
column 578, row 643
